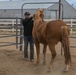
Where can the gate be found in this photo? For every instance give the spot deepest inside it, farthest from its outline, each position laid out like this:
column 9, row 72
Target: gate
column 60, row 5
column 18, row 32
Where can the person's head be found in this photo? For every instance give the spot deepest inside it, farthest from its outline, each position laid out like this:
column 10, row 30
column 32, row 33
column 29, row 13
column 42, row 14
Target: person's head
column 27, row 14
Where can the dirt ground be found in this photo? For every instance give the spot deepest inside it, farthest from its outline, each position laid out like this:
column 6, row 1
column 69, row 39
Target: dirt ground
column 12, row 61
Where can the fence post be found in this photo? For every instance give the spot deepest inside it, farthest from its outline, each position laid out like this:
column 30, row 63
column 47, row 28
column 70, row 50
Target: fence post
column 16, row 33
column 71, row 26
column 21, row 33
column 12, row 25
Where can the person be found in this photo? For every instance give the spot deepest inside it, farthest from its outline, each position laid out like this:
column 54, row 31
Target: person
column 28, row 38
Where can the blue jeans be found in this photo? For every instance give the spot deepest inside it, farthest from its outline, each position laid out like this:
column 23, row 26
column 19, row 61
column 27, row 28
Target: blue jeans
column 28, row 39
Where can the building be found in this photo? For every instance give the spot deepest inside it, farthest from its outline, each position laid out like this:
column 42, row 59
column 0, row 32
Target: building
column 68, row 12
column 13, row 8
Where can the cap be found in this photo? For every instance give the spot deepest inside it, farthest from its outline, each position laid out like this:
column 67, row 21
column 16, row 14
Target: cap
column 27, row 13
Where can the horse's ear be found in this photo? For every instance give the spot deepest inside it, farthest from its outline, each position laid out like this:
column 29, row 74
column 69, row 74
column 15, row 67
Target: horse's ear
column 38, row 9
column 33, row 16
column 43, row 9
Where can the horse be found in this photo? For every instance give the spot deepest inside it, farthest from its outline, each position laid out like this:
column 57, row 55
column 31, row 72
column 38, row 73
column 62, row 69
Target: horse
column 49, row 34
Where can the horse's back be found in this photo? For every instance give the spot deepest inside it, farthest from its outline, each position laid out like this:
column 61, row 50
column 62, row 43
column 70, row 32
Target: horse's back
column 56, row 23
column 53, row 30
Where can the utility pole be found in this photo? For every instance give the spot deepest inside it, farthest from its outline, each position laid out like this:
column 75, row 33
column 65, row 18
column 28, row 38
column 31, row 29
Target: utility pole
column 59, row 8
column 59, row 18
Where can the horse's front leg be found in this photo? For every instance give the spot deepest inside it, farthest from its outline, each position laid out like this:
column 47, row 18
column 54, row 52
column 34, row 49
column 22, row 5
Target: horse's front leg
column 44, row 54
column 37, row 52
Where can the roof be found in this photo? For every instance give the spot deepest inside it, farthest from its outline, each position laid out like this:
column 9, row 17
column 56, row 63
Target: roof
column 18, row 4
column 68, row 10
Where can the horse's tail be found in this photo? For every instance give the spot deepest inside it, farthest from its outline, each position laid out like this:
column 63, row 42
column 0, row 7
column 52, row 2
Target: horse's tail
column 65, row 44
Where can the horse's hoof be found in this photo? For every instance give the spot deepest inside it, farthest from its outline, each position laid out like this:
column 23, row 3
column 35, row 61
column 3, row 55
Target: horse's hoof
column 49, row 67
column 37, row 62
column 65, row 70
column 49, row 70
column 44, row 63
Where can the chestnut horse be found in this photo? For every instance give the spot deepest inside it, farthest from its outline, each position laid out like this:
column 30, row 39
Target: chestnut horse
column 50, row 34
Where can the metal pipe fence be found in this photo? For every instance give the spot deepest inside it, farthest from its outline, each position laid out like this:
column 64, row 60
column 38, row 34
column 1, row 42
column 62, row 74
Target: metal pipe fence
column 45, row 3
column 17, row 35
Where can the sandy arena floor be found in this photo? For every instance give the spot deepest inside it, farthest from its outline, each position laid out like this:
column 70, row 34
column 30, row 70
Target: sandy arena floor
column 12, row 62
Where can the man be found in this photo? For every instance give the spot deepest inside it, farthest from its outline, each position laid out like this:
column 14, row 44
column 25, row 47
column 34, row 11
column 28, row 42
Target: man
column 28, row 26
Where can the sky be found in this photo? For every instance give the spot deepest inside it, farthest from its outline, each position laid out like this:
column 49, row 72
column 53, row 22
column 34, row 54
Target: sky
column 70, row 1
column 17, row 0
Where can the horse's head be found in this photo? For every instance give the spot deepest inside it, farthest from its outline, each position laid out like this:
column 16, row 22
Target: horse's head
column 39, row 14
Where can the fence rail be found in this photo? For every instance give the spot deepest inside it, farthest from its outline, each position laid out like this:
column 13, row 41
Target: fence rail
column 72, row 24
column 9, row 22
column 12, row 22
column 15, row 25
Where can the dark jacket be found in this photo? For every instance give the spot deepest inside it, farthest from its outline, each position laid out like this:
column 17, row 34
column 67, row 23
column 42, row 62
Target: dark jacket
column 28, row 26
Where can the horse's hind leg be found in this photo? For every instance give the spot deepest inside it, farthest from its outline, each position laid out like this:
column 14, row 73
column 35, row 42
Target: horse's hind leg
column 44, row 54
column 53, row 52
